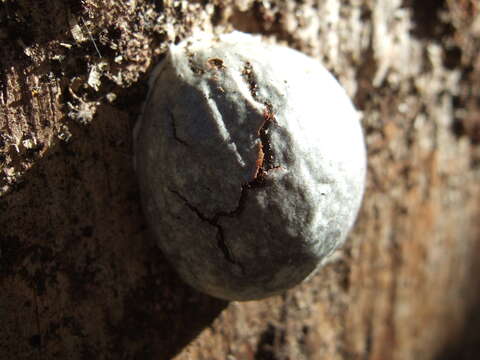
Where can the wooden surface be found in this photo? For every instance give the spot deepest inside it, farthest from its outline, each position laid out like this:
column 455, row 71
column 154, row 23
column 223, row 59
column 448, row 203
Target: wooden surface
column 80, row 277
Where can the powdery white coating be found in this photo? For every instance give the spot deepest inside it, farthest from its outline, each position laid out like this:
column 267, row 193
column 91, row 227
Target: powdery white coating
column 251, row 162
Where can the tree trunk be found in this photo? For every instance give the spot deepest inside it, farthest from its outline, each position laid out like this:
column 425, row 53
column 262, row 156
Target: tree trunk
column 80, row 277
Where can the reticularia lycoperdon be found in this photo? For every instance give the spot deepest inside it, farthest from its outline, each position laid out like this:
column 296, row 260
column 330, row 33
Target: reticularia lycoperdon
column 251, row 163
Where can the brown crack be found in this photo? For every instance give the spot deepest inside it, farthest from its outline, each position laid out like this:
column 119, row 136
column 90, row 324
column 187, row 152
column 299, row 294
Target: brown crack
column 250, row 78
column 265, row 159
column 264, row 163
column 221, row 243
column 259, row 161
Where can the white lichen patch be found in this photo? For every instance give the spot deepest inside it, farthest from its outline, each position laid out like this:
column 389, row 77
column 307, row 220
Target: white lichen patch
column 251, row 162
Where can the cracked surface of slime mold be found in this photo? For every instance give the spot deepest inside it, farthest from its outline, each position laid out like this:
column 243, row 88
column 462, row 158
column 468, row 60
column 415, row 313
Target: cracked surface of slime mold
column 251, row 164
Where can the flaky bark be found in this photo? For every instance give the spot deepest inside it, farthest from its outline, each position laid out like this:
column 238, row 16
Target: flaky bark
column 80, row 278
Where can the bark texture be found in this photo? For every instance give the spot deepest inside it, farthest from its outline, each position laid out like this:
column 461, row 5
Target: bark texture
column 80, row 277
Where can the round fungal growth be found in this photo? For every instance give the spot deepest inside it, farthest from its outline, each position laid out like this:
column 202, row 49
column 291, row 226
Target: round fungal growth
column 251, row 162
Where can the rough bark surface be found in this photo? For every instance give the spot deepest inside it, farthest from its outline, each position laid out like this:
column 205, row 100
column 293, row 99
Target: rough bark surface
column 80, row 277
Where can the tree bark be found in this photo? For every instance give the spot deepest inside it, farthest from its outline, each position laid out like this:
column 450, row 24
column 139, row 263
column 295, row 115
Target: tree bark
column 80, row 277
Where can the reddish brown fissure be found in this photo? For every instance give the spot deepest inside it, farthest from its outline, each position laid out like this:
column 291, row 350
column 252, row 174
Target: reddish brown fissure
column 250, row 78
column 264, row 163
column 265, row 160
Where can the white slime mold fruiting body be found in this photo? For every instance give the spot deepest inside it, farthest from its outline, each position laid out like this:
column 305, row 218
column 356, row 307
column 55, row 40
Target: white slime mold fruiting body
column 251, row 162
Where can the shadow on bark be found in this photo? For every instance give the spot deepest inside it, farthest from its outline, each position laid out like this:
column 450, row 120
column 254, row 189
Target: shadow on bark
column 77, row 265
column 468, row 348
column 467, row 344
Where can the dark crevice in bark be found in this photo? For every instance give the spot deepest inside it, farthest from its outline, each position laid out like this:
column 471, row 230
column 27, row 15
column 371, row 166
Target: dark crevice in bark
column 427, row 19
column 368, row 339
column 272, row 340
